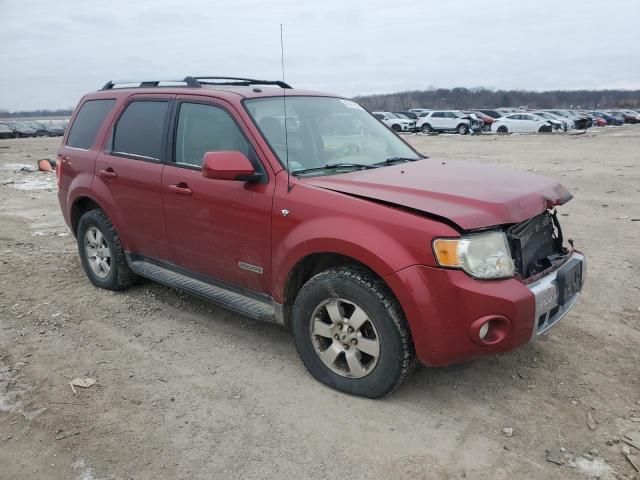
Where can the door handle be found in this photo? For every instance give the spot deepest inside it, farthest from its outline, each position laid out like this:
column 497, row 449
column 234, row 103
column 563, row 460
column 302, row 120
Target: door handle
column 181, row 189
column 108, row 173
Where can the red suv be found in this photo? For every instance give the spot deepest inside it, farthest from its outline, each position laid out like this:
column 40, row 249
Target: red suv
column 302, row 209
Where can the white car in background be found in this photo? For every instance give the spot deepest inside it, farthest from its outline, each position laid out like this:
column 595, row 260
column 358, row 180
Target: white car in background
column 448, row 121
column 557, row 122
column 521, row 123
column 395, row 123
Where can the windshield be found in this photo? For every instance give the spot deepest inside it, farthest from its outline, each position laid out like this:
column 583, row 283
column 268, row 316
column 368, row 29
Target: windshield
column 323, row 131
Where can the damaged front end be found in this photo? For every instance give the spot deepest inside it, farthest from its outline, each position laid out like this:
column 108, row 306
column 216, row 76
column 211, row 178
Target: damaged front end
column 537, row 245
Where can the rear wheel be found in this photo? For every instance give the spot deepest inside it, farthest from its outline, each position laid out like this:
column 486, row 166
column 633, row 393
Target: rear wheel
column 502, row 130
column 463, row 129
column 101, row 252
column 351, row 334
column 426, row 128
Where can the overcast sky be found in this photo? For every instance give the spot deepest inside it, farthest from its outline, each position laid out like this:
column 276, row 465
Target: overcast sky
column 52, row 52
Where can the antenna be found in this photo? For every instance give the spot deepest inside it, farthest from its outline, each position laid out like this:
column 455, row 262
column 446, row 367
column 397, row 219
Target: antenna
column 284, row 105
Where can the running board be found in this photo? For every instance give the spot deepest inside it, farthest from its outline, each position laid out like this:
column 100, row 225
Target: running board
column 250, row 304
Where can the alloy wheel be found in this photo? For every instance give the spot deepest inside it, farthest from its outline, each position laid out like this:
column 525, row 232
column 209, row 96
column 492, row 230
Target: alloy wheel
column 98, row 252
column 345, row 338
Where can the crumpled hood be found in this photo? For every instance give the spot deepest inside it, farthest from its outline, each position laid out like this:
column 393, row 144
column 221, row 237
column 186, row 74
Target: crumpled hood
column 470, row 195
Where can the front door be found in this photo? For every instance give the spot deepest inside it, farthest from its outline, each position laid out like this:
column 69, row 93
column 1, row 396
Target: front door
column 218, row 228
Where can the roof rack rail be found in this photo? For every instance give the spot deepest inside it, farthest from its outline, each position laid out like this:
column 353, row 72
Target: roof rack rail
column 192, row 81
column 238, row 81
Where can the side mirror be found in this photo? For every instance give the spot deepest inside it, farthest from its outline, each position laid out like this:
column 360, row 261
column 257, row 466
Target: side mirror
column 228, row 165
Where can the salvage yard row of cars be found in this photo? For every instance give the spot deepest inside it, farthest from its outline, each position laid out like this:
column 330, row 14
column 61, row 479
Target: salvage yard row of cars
column 503, row 120
column 39, row 128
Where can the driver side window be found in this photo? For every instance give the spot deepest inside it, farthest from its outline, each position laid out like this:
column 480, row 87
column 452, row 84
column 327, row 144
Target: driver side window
column 206, row 128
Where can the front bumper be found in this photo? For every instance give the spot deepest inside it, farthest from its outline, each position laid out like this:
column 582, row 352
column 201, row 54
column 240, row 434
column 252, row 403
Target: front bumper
column 443, row 308
column 549, row 310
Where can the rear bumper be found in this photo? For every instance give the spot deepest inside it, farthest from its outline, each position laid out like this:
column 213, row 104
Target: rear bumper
column 444, row 309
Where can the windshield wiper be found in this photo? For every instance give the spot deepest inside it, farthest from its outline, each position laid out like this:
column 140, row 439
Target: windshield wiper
column 394, row 160
column 336, row 166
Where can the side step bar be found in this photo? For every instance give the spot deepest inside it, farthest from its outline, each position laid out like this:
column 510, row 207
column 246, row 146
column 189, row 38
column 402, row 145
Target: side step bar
column 251, row 304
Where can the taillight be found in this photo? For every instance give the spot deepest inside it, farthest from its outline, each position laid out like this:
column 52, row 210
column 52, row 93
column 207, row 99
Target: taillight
column 59, row 162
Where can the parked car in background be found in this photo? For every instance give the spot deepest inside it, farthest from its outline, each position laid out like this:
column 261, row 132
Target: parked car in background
column 55, row 128
column 579, row 123
column 419, row 111
column 630, row 116
column 483, row 117
column 557, row 122
column 447, row 121
column 617, row 115
column 395, row 123
column 492, row 113
column 521, row 123
column 39, row 126
column 6, row 131
column 409, row 115
column 610, row 119
column 22, row 129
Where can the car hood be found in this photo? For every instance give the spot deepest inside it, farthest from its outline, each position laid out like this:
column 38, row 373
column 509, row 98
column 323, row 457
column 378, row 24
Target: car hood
column 470, row 195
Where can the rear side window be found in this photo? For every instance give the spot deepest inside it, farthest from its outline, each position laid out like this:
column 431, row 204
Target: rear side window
column 140, row 128
column 87, row 123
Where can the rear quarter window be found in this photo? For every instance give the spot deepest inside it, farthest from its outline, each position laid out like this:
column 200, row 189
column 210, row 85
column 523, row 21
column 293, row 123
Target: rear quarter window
column 87, row 123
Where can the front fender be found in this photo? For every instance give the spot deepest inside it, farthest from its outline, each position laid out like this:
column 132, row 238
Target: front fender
column 362, row 241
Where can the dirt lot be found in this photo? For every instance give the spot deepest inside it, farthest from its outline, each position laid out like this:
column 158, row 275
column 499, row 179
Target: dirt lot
column 191, row 391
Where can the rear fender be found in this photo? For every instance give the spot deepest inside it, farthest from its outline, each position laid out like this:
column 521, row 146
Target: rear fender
column 99, row 194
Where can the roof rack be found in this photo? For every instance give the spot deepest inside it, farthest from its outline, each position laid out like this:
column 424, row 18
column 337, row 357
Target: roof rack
column 238, row 81
column 191, row 81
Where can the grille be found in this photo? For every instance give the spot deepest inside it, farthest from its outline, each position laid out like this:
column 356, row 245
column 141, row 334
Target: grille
column 534, row 244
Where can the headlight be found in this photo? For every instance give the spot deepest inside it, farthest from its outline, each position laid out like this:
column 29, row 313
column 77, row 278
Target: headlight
column 481, row 255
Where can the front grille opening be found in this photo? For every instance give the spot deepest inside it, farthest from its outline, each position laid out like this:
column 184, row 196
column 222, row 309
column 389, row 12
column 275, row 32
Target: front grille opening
column 536, row 244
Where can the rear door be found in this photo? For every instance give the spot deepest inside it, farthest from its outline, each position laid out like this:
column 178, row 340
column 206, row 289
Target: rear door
column 129, row 171
column 436, row 120
column 217, row 228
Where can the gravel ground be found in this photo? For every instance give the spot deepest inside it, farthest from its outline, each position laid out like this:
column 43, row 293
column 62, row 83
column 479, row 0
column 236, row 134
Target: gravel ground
column 187, row 390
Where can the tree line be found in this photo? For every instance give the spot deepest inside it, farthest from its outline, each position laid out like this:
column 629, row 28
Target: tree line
column 61, row 112
column 463, row 98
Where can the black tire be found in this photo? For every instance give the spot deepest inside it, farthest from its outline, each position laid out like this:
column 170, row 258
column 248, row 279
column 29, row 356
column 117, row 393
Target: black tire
column 462, row 129
column 120, row 276
column 396, row 352
column 396, row 128
column 545, row 129
column 426, row 128
column 502, row 130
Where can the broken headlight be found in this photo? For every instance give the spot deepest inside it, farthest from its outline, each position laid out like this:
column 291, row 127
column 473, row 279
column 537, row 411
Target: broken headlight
column 482, row 255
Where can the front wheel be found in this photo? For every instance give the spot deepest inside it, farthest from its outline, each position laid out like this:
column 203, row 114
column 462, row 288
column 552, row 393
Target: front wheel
column 426, row 128
column 396, row 128
column 351, row 334
column 463, row 129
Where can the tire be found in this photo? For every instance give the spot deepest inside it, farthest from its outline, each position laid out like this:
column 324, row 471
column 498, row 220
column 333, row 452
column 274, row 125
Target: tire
column 426, row 128
column 355, row 296
column 396, row 128
column 544, row 129
column 96, row 234
column 502, row 130
column 462, row 129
